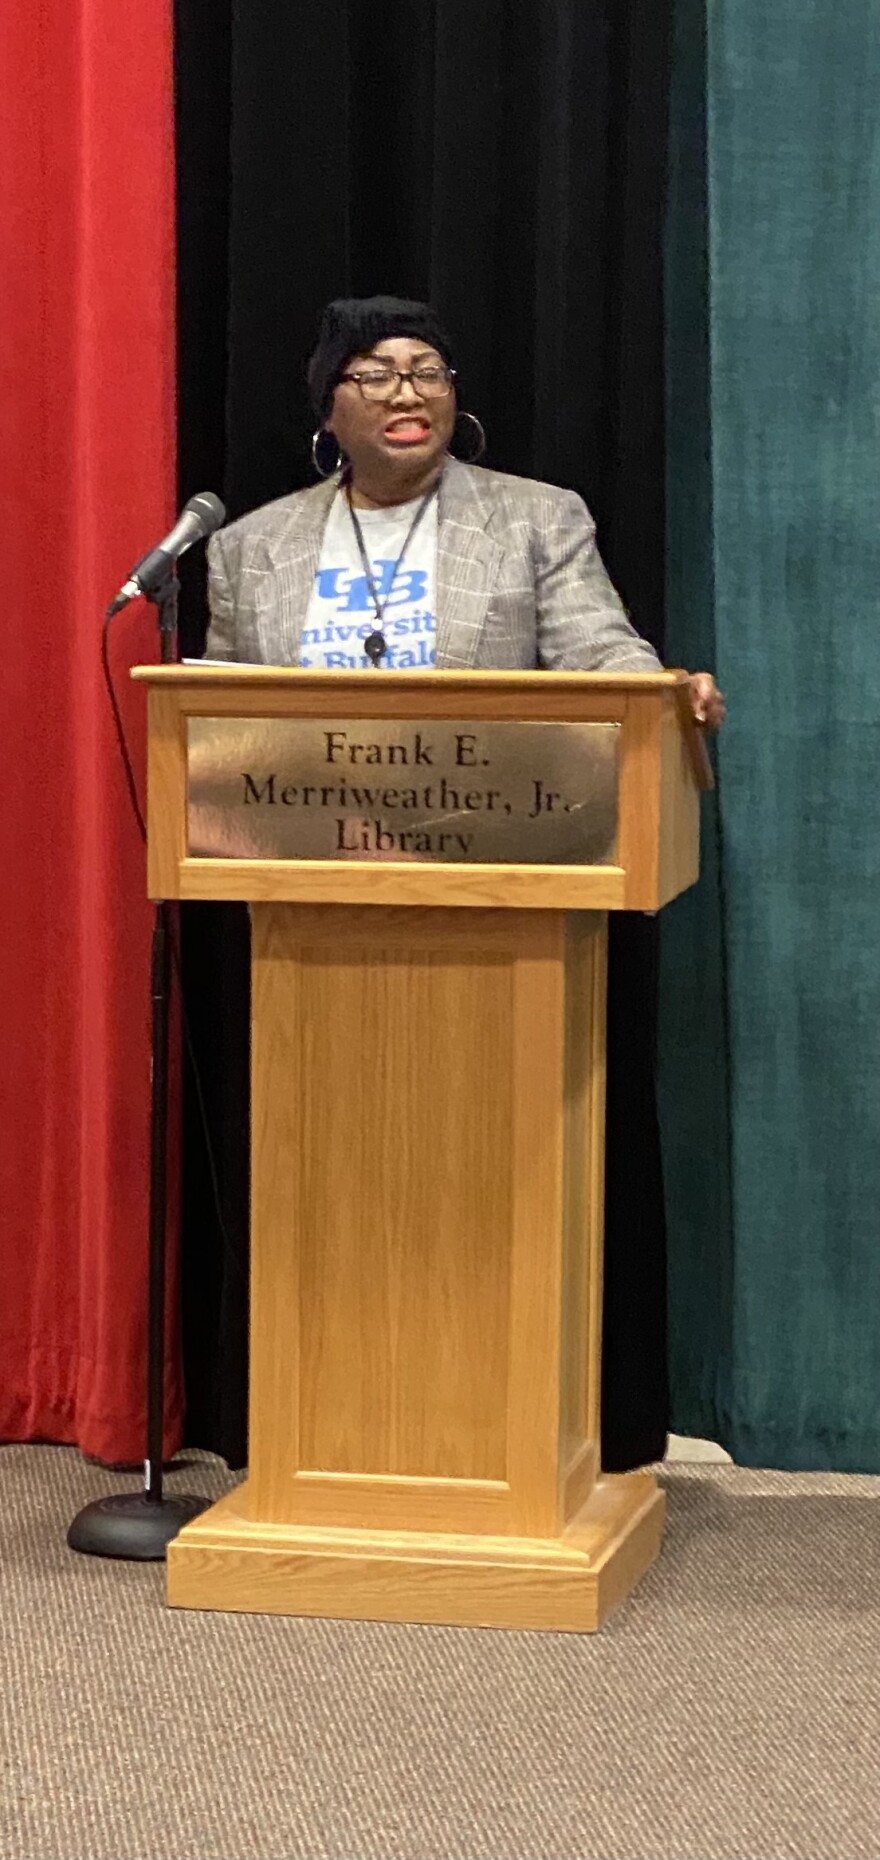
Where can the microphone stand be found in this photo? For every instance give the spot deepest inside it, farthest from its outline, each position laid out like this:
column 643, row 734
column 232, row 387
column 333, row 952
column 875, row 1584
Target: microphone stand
column 138, row 1526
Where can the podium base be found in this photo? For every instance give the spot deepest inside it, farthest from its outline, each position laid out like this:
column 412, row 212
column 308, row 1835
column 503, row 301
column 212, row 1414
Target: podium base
column 227, row 1560
column 131, row 1526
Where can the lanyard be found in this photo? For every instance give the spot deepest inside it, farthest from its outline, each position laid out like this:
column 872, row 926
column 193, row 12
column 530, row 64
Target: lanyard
column 376, row 644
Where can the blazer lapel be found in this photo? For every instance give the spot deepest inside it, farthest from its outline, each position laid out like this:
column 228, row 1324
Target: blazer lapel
column 467, row 565
column 283, row 596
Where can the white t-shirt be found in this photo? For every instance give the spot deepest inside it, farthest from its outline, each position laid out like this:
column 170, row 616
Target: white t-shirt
column 341, row 612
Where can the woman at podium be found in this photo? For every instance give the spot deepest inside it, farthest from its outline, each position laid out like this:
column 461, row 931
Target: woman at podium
column 405, row 557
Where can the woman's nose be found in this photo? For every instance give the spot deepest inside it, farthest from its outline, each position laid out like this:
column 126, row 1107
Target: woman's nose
column 406, row 390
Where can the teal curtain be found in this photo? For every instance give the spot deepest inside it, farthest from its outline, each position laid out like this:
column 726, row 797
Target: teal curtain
column 770, row 998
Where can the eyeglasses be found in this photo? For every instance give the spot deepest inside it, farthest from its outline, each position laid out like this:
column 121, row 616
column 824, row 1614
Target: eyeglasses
column 430, row 383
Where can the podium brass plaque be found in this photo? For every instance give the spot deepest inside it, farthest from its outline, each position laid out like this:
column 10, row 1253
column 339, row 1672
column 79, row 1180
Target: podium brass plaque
column 458, row 792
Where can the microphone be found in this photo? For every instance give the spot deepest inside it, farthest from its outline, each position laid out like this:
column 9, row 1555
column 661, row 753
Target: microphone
column 199, row 518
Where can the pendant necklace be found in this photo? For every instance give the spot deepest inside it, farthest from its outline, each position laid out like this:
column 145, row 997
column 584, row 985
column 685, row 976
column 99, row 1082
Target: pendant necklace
column 375, row 644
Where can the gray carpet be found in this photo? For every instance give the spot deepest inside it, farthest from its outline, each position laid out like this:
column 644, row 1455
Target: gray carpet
column 730, row 1708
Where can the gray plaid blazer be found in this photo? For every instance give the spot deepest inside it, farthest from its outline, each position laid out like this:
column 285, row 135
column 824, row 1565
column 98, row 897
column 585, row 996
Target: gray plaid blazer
column 520, row 582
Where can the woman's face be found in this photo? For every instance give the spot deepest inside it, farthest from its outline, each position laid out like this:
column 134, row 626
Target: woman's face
column 405, row 434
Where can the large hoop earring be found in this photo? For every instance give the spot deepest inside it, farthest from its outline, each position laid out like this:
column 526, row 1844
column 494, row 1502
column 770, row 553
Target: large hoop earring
column 325, row 471
column 478, row 438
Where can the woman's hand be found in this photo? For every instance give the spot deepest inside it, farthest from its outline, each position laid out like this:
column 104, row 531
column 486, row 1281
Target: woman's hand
column 707, row 702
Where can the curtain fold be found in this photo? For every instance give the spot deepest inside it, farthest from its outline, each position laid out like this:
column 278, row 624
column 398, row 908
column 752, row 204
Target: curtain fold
column 86, row 482
column 508, row 162
column 771, row 996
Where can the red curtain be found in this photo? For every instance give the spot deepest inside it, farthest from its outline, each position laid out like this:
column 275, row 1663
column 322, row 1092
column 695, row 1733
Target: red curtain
column 86, row 484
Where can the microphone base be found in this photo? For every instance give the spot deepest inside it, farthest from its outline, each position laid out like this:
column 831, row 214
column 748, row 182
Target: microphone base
column 131, row 1526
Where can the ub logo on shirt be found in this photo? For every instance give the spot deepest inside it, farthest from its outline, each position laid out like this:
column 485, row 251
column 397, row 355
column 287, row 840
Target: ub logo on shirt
column 352, row 593
column 341, row 611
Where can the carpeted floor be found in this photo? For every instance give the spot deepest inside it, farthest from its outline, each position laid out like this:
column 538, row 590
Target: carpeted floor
column 730, row 1709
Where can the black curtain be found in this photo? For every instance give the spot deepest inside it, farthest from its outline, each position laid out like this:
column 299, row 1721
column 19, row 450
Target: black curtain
column 504, row 159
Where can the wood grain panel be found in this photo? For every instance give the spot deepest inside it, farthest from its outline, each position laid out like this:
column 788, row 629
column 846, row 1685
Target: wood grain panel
column 594, row 1157
column 403, row 1207
column 679, row 863
column 276, row 1134
column 166, row 794
column 347, row 1501
column 638, row 840
column 205, row 689
column 421, row 1260
column 584, row 1111
column 225, row 1560
column 538, row 1144
column 578, row 1479
column 477, row 887
column 387, row 1171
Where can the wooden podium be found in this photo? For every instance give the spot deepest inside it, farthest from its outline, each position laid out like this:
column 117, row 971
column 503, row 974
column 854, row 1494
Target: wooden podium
column 428, row 1100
